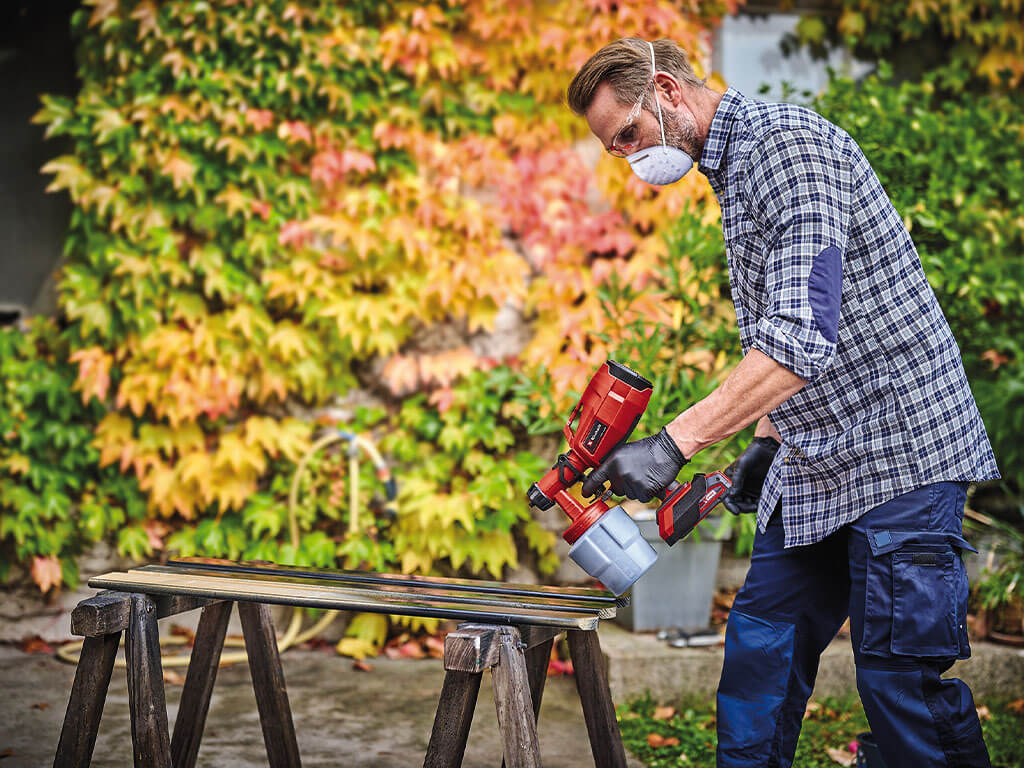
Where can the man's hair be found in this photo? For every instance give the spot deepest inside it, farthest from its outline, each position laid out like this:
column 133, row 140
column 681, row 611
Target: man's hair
column 626, row 66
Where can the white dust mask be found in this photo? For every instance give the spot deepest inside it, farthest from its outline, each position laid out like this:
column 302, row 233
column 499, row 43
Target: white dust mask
column 660, row 164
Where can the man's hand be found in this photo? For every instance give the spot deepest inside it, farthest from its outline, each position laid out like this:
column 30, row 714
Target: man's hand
column 639, row 470
column 747, row 474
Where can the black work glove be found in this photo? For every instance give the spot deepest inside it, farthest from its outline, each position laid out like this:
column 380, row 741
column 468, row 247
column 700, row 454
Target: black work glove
column 747, row 474
column 639, row 470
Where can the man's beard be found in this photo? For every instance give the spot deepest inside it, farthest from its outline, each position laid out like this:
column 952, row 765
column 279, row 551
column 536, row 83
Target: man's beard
column 682, row 132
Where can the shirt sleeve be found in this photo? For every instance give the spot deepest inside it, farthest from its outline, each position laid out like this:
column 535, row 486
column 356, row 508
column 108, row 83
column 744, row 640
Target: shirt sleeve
column 797, row 191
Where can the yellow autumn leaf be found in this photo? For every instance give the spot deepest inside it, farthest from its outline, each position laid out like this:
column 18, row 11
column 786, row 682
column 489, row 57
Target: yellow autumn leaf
column 236, row 455
column 356, row 647
column 233, row 490
column 18, row 464
column 115, row 440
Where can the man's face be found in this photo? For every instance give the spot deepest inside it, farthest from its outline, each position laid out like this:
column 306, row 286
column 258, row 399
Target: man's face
column 622, row 133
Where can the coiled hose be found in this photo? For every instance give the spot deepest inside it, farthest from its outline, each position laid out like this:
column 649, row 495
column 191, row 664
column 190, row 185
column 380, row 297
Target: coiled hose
column 293, row 635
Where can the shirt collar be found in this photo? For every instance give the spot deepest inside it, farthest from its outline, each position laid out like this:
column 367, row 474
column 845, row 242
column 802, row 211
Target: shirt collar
column 718, row 132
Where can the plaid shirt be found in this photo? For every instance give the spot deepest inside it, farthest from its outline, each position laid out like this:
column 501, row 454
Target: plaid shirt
column 827, row 282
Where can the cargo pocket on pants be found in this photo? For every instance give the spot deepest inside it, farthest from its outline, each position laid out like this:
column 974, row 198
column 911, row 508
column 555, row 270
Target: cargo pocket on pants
column 916, row 594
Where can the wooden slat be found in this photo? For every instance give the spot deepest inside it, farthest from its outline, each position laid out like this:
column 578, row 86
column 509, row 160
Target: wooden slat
column 108, row 612
column 311, row 596
column 600, row 596
column 404, row 592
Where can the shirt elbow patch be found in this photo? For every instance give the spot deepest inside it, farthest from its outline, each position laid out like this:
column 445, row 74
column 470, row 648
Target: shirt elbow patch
column 825, row 291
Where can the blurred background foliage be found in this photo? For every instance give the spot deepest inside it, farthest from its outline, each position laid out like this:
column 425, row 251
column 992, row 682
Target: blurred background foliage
column 277, row 203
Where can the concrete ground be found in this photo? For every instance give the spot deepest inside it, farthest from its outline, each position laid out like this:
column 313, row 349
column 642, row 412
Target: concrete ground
column 375, row 719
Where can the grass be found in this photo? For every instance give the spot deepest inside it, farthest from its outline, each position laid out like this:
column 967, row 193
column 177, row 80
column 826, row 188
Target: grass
column 684, row 735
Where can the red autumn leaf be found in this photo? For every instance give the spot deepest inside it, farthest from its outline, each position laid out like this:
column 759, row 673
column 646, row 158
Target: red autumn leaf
column 260, row 119
column 995, row 358
column 442, row 399
column 362, row 666
column 34, row 644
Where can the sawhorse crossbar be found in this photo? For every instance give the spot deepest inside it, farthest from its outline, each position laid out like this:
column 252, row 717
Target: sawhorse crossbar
column 516, row 653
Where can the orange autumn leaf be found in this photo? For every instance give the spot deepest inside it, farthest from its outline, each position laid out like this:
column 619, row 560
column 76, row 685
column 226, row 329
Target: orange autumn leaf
column 46, row 572
column 656, row 740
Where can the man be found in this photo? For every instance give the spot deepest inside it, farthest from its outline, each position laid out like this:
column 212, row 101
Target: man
column 867, row 433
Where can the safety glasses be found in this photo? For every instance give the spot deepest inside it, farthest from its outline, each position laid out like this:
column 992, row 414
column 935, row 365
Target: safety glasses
column 627, row 139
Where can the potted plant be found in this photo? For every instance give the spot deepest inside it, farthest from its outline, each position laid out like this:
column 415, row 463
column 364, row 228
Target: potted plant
column 999, row 598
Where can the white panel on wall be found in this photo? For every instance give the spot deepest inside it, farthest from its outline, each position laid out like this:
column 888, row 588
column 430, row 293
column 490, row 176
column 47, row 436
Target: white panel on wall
column 747, row 54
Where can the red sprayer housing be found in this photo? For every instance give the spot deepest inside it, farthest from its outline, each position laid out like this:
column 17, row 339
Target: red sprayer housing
column 604, row 417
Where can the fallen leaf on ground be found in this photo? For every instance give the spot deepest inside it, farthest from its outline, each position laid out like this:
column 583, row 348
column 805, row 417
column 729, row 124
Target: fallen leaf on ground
column 362, row 666
column 180, row 631
column 983, row 713
column 1017, row 705
column 6, row 753
column 811, row 708
column 35, row 644
column 412, row 650
column 663, row 713
column 170, row 676
column 841, row 756
column 435, row 646
column 557, row 667
column 657, row 740
column 41, row 705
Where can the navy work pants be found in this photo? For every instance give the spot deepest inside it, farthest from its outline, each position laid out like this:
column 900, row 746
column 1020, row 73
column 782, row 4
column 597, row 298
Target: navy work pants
column 897, row 573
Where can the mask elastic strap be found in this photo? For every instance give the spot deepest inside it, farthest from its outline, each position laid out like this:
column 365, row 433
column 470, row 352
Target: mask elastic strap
column 654, row 71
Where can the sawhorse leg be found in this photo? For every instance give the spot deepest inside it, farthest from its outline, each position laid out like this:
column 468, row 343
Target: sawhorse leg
column 146, row 701
column 199, row 680
column 518, row 687
column 596, row 698
column 89, row 691
column 268, row 684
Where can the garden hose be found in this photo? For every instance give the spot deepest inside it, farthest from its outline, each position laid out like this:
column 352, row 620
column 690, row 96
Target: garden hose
column 292, row 636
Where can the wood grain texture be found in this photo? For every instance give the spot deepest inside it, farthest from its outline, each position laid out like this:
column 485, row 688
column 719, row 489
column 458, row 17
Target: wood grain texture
column 473, row 647
column 400, row 591
column 513, row 704
column 597, row 596
column 85, row 706
column 268, row 685
column 146, row 702
column 108, row 612
column 537, row 659
column 199, row 680
column 598, row 709
column 453, row 719
column 335, row 598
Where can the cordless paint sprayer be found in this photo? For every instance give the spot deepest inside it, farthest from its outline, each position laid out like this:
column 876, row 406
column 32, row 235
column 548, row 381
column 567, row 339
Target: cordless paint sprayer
column 606, row 542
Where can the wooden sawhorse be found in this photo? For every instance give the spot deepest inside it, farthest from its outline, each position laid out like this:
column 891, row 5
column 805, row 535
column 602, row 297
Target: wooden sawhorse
column 516, row 653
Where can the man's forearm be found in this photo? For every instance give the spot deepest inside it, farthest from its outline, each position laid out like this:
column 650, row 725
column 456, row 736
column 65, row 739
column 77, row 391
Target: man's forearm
column 756, row 386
